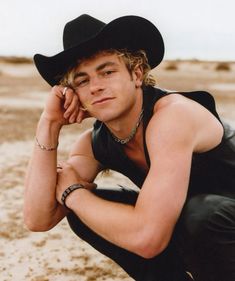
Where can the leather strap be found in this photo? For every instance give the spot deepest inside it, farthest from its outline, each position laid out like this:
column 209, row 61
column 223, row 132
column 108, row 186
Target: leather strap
column 69, row 190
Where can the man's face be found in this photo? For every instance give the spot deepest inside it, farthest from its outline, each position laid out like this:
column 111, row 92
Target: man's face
column 105, row 87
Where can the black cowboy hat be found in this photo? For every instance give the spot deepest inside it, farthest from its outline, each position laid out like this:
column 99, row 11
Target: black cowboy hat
column 86, row 35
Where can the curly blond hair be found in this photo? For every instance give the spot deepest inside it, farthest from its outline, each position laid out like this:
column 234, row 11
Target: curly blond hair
column 131, row 60
column 138, row 59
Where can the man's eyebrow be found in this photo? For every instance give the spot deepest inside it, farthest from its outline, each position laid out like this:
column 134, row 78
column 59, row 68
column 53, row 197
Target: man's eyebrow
column 98, row 68
column 103, row 65
column 79, row 74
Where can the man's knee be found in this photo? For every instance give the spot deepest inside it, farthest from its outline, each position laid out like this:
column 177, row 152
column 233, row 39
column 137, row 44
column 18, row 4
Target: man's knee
column 207, row 237
column 207, row 213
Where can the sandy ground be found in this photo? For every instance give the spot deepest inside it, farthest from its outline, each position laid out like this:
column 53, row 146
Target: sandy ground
column 58, row 254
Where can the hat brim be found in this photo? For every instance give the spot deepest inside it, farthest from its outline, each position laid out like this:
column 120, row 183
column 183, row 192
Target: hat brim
column 129, row 32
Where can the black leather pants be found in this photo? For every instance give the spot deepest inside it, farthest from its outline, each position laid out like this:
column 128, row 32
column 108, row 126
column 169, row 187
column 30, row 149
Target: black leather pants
column 203, row 242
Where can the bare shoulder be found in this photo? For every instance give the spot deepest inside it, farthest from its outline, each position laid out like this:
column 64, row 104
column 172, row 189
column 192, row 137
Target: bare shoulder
column 83, row 144
column 183, row 119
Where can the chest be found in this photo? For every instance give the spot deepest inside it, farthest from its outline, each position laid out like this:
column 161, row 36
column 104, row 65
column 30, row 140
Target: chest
column 137, row 155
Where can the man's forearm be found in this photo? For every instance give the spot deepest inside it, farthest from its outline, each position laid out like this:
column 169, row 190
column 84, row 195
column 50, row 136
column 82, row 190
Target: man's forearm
column 40, row 199
column 116, row 222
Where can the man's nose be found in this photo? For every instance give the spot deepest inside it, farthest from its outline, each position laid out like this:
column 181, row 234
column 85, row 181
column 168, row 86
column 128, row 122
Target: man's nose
column 96, row 85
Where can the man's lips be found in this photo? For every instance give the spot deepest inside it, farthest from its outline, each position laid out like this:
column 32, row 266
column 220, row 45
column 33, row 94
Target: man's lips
column 102, row 100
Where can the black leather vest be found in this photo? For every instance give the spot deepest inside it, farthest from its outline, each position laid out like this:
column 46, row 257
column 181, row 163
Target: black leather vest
column 211, row 172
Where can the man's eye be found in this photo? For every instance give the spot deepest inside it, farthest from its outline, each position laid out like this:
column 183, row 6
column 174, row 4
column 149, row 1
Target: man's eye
column 108, row 72
column 81, row 83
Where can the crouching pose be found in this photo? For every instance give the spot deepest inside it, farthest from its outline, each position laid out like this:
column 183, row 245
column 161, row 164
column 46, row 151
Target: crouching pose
column 172, row 145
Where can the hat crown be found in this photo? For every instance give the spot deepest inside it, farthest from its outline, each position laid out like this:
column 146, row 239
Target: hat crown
column 80, row 30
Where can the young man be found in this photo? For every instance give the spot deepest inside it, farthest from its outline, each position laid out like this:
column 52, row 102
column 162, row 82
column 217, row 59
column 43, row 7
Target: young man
column 173, row 146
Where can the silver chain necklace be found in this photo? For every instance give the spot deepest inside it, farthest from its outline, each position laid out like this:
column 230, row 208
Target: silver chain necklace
column 133, row 131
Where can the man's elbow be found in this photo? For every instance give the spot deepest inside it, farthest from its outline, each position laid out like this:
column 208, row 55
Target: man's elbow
column 150, row 246
column 150, row 251
column 35, row 225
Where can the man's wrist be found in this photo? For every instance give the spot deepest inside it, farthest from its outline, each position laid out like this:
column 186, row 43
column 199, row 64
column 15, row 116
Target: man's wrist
column 47, row 122
column 43, row 147
column 66, row 197
column 48, row 132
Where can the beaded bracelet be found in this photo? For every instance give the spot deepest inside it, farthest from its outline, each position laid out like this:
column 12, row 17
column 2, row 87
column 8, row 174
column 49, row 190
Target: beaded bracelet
column 43, row 147
column 69, row 190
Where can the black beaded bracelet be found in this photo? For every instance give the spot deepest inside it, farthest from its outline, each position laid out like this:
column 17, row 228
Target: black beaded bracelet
column 69, row 190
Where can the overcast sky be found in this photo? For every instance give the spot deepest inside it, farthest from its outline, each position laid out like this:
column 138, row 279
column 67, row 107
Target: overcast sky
column 203, row 29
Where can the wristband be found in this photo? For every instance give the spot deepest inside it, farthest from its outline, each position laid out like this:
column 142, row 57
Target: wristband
column 69, row 190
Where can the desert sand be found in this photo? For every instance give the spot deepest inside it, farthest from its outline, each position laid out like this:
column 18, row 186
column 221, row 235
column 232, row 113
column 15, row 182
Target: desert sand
column 58, row 254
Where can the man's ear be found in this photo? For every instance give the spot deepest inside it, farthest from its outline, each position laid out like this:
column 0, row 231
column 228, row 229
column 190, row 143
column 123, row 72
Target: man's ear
column 138, row 76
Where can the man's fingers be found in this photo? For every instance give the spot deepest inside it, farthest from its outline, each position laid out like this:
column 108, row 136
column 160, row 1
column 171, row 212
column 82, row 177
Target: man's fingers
column 80, row 116
column 68, row 95
column 64, row 91
column 91, row 186
column 63, row 164
column 73, row 112
column 73, row 116
column 74, row 104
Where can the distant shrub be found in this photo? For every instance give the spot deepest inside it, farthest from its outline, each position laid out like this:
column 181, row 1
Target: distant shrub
column 193, row 61
column 171, row 66
column 16, row 60
column 222, row 66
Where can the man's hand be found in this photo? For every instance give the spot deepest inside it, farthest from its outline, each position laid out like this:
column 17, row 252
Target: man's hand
column 63, row 106
column 66, row 176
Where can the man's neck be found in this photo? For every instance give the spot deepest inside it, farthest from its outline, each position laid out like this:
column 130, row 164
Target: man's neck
column 123, row 126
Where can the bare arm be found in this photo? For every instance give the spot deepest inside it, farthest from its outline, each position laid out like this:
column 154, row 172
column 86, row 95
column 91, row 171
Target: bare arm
column 146, row 228
column 41, row 209
column 40, row 206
